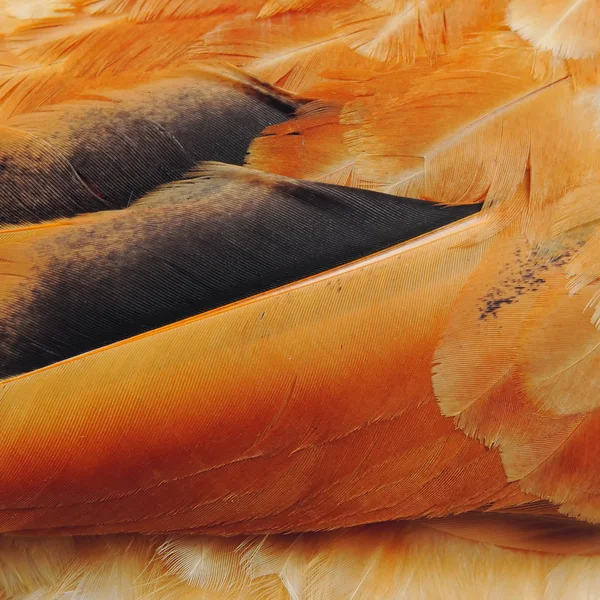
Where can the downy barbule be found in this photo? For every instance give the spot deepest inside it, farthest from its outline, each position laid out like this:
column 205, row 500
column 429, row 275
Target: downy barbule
column 300, row 299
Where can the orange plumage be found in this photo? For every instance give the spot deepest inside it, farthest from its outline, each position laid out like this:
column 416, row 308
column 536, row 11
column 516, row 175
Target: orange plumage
column 299, row 299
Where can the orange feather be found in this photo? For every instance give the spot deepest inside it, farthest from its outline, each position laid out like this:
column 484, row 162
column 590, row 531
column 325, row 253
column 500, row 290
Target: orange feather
column 221, row 382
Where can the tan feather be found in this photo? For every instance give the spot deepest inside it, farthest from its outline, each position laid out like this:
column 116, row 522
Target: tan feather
column 568, row 28
column 399, row 562
column 209, row 563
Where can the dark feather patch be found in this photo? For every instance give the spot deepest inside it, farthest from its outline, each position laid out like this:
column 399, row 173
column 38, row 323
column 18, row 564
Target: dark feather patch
column 189, row 248
column 97, row 155
column 37, row 183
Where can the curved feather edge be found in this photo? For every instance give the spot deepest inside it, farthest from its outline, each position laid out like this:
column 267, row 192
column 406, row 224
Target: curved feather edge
column 268, row 439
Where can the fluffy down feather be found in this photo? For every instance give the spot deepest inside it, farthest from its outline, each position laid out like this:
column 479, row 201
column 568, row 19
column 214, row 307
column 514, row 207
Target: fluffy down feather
column 399, row 561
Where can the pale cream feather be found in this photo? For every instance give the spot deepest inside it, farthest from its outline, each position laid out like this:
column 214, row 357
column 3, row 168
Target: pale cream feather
column 394, row 562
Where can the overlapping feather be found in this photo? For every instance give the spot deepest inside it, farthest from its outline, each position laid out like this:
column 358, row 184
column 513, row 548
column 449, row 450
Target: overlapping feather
column 400, row 562
column 438, row 100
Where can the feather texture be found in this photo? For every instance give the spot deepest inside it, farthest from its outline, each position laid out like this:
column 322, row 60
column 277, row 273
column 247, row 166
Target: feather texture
column 568, row 28
column 401, row 561
column 322, row 363
column 192, row 351
column 150, row 252
column 101, row 154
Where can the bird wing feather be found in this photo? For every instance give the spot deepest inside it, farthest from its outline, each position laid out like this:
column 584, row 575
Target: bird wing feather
column 365, row 357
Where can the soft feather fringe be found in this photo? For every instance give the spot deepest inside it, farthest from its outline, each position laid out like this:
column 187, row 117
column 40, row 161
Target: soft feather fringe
column 392, row 562
column 568, row 28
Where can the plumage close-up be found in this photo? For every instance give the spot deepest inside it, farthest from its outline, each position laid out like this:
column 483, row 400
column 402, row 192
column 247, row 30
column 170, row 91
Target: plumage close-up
column 299, row 299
